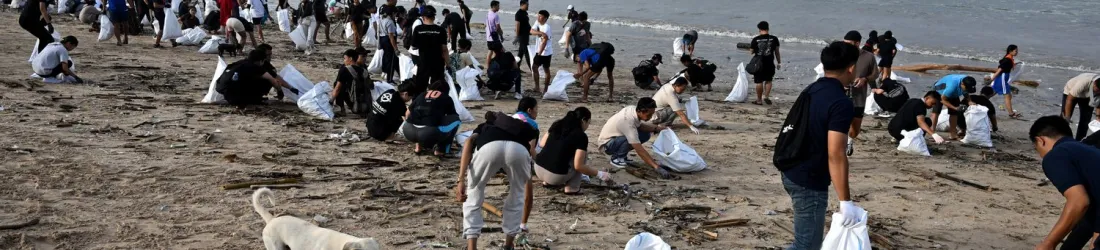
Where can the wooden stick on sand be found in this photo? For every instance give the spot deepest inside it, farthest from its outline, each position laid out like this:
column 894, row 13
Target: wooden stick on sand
column 249, row 184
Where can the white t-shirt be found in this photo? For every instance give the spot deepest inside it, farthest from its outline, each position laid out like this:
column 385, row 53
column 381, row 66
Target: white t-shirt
column 388, row 26
column 258, row 10
column 666, row 97
column 49, row 58
column 544, row 28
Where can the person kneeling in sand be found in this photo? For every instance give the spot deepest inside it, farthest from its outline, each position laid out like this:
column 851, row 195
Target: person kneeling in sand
column 912, row 116
column 626, row 131
column 669, row 105
column 565, row 152
column 431, row 121
column 387, row 113
column 245, row 82
column 54, row 59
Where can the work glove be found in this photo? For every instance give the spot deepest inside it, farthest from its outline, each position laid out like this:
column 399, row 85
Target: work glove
column 851, row 213
column 603, row 175
column 294, row 90
column 937, row 138
column 663, row 172
column 694, row 130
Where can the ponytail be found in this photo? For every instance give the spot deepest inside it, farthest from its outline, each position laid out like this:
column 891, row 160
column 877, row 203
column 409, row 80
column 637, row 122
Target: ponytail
column 571, row 122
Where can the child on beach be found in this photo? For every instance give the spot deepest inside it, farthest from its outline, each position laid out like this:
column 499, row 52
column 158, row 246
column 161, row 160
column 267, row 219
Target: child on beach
column 1001, row 84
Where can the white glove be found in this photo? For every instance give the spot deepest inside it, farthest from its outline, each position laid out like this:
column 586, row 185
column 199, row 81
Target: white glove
column 850, row 212
column 937, row 138
column 694, row 130
column 603, row 175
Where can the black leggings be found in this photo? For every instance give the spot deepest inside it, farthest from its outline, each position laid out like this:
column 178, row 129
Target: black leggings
column 389, row 58
column 1085, row 116
column 38, row 29
column 438, row 138
column 455, row 34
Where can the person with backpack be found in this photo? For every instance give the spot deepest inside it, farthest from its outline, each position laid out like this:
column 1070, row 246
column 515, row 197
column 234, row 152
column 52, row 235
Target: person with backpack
column 627, row 130
column 646, row 74
column 503, row 72
column 353, row 86
column 564, row 155
column 810, row 148
column 388, row 113
column 245, row 82
column 912, row 115
column 698, row 72
column 1071, row 168
column 593, row 61
column 865, row 69
column 766, row 60
column 505, row 144
column 431, row 121
column 578, row 38
column 953, row 90
column 669, row 105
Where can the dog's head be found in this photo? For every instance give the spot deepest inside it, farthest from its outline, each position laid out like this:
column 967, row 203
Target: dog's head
column 362, row 244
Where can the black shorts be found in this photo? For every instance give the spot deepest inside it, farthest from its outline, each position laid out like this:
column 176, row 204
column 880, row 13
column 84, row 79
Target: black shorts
column 159, row 15
column 321, row 17
column 258, row 21
column 543, row 61
column 577, row 50
column 765, row 74
column 954, row 101
column 886, row 62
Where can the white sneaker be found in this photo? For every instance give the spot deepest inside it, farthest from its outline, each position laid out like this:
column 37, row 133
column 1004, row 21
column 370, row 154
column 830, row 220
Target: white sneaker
column 519, row 96
column 886, row 114
column 619, row 163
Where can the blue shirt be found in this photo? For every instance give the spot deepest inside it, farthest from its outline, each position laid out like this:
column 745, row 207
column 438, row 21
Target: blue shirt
column 1071, row 163
column 830, row 110
column 950, row 86
column 523, row 116
column 116, row 5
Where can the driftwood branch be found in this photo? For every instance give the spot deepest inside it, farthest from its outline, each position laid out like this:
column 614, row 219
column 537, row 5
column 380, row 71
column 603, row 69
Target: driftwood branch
column 491, row 209
column 158, row 122
column 263, row 182
column 724, row 223
column 924, row 68
column 965, row 182
column 277, row 186
column 414, row 212
column 32, row 222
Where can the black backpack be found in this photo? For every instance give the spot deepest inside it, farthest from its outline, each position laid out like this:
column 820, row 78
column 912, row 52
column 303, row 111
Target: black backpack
column 791, row 145
column 360, row 91
column 708, row 70
column 501, row 72
column 642, row 71
column 603, row 48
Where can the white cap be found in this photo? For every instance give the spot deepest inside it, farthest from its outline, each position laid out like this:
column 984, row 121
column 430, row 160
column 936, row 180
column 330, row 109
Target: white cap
column 570, row 7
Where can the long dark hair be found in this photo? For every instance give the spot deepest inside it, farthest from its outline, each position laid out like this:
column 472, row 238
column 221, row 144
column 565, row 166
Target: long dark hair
column 571, row 122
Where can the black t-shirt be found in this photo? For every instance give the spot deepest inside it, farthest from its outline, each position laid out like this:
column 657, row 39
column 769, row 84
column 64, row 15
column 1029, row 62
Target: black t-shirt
column 319, row 8
column 31, row 11
column 981, row 100
column 557, row 156
column 239, row 76
column 430, row 39
column 489, row 133
column 887, row 46
column 1071, row 164
column 907, row 115
column 455, row 22
column 694, row 72
column 524, row 23
column 1006, row 65
column 385, row 115
column 429, row 108
column 346, row 77
column 580, row 35
column 766, row 46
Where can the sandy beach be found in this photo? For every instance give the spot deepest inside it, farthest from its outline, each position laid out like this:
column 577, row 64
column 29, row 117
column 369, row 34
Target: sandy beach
column 132, row 161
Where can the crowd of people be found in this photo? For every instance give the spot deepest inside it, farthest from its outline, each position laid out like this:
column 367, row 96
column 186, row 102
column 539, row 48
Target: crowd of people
column 812, row 152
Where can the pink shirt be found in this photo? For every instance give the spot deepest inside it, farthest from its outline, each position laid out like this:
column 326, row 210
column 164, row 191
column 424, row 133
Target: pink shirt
column 491, row 23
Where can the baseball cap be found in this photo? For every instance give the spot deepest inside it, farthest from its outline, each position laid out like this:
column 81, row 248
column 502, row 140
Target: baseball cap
column 853, row 36
column 570, row 7
column 657, row 57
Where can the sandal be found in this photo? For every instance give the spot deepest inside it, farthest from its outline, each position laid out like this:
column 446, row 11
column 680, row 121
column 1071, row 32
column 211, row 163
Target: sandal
column 158, row 46
column 757, row 102
column 768, row 101
column 1015, row 115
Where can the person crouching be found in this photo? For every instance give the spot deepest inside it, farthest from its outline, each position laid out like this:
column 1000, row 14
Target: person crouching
column 431, row 121
column 245, row 82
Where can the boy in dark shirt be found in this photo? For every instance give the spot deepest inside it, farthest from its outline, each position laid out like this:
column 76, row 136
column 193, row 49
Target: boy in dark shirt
column 431, row 121
column 523, row 33
column 912, row 116
column 887, row 50
column 765, row 46
column 1071, row 168
column 245, row 82
column 346, row 79
column 456, row 28
column 388, row 113
column 431, row 40
column 983, row 99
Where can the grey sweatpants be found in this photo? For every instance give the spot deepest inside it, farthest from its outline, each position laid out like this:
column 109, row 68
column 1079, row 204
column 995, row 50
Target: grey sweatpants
column 516, row 162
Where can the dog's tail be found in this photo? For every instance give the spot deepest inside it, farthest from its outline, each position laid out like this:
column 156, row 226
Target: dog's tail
column 259, row 207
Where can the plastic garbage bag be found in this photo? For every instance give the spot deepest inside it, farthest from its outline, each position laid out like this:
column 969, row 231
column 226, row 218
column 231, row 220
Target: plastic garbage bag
column 914, row 143
column 34, row 50
column 676, row 155
column 647, row 241
column 463, row 113
column 692, row 110
column 295, row 79
column 175, row 6
column 556, row 91
column 192, row 37
column 407, row 67
column 871, row 107
column 677, row 47
column 855, row 237
column 371, row 37
column 375, row 66
column 315, row 102
column 283, row 18
column 943, row 121
column 212, row 95
column 299, row 37
column 380, row 87
column 1094, row 126
column 978, row 128
column 15, row 4
column 349, row 31
column 200, row 11
column 171, row 27
column 820, row 70
column 211, row 46
column 62, row 6
column 467, row 79
column 740, row 92
column 461, row 137
column 106, row 28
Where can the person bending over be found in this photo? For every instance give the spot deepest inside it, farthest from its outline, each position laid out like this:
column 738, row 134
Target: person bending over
column 431, row 121
column 238, row 26
column 593, row 60
column 1077, row 93
column 912, row 116
column 646, row 75
column 687, row 44
column 669, row 106
column 983, row 99
column 564, row 155
column 388, row 113
column 90, row 15
column 54, row 59
column 503, row 72
column 245, row 82
column 625, row 131
column 890, row 96
column 1071, row 168
column 952, row 89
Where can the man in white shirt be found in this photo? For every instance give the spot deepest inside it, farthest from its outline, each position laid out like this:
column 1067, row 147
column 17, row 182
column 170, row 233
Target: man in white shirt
column 669, row 105
column 541, row 31
column 54, row 59
column 625, row 131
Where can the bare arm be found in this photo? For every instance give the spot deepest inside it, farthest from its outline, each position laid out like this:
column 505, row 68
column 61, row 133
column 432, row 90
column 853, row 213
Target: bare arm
column 545, row 40
column 45, row 12
column 446, row 55
column 943, row 100
column 578, row 163
column 684, row 117
column 1077, row 202
column 925, row 126
column 335, row 90
column 838, row 164
column 65, row 70
column 778, row 58
column 1067, row 108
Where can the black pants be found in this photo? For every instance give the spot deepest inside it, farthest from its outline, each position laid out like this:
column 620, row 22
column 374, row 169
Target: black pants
column 389, row 58
column 1085, row 116
column 1081, row 233
column 522, row 52
column 438, row 138
column 426, row 73
column 57, row 70
column 897, row 126
column 249, row 93
column 455, row 34
column 37, row 28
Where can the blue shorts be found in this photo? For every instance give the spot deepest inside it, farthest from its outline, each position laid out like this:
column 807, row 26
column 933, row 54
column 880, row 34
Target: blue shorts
column 118, row 16
column 1001, row 85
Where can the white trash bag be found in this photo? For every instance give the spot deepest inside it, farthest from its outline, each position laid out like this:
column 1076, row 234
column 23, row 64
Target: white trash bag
column 283, row 18
column 943, row 122
column 379, row 88
column 349, row 30
column 212, row 95
column 15, row 4
column 978, row 128
column 740, row 92
column 171, row 27
column 855, row 237
column 870, row 106
column 176, row 7
column 315, row 102
column 62, row 6
column 467, row 79
column 676, row 155
column 408, row 68
column 677, row 47
column 211, row 46
column 299, row 37
column 463, row 113
column 820, row 70
column 647, row 241
column 692, row 110
column 34, row 50
column 371, row 37
column 295, row 79
column 375, row 66
column 461, row 137
column 556, row 91
column 1094, row 126
column 191, row 37
column 914, row 143
column 106, row 28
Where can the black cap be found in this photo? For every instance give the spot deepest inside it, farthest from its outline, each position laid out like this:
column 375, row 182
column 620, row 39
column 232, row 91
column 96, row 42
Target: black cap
column 428, row 11
column 853, row 36
column 657, row 57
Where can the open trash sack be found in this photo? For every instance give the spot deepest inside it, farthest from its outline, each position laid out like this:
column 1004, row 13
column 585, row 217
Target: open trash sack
column 677, row 47
column 301, row 36
column 691, row 108
column 171, row 27
column 647, row 241
column 315, row 102
column 408, row 68
column 212, row 95
column 106, row 28
column 295, row 79
column 914, row 143
column 943, row 121
column 211, row 46
column 283, row 18
column 855, row 237
column 467, row 79
column 978, row 128
column 463, row 113
column 375, row 66
column 676, row 155
column 871, row 107
column 740, row 92
column 556, row 91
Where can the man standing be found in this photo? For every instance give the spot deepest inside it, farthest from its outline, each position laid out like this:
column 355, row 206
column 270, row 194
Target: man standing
column 544, row 51
column 54, row 59
column 766, row 46
column 466, row 13
column 1071, row 167
column 492, row 29
column 953, row 89
column 887, row 50
column 523, row 34
column 626, row 131
column 830, row 117
column 456, row 27
column 431, row 40
column 320, row 15
column 578, row 39
column 118, row 13
column 158, row 13
column 1077, row 93
column 259, row 11
column 865, row 69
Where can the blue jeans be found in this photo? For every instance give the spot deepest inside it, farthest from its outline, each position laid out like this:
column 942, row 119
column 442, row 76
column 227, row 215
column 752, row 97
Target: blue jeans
column 619, row 148
column 809, row 215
